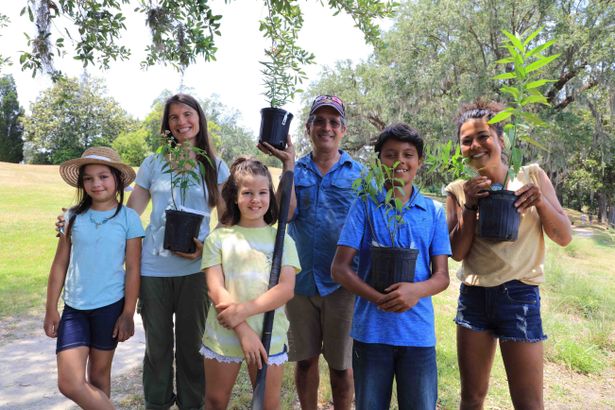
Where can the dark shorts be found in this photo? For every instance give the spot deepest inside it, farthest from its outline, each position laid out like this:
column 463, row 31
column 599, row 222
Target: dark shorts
column 92, row 328
column 510, row 311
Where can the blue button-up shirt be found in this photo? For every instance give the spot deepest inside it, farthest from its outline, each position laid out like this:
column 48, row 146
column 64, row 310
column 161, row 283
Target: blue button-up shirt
column 424, row 229
column 322, row 205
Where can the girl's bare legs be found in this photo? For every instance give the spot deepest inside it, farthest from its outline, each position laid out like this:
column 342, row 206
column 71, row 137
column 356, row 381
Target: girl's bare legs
column 220, row 378
column 99, row 369
column 273, row 385
column 475, row 353
column 524, row 367
column 73, row 384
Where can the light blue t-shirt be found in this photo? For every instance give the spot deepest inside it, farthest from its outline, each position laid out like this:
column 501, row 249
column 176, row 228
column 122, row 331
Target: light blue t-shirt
column 155, row 260
column 426, row 230
column 96, row 275
column 322, row 204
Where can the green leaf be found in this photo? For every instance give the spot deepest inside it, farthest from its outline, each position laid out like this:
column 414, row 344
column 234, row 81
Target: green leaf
column 514, row 40
column 540, row 48
column 532, row 141
column 535, row 99
column 507, row 142
column 505, row 76
column 532, row 36
column 533, row 119
column 520, row 67
column 516, row 157
column 388, row 196
column 537, row 83
column 506, row 60
column 514, row 92
column 540, row 63
column 499, row 117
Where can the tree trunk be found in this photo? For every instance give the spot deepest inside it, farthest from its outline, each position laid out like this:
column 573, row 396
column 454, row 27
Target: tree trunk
column 602, row 207
column 557, row 185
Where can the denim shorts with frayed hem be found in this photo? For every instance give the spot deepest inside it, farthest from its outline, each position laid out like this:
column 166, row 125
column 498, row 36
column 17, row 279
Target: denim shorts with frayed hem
column 510, row 311
column 92, row 328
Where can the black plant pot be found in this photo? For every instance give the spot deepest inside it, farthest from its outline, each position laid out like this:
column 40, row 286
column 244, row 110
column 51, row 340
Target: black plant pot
column 179, row 230
column 498, row 218
column 275, row 123
column 391, row 265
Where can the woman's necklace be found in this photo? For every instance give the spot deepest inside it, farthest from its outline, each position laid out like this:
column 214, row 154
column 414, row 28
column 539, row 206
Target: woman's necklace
column 99, row 223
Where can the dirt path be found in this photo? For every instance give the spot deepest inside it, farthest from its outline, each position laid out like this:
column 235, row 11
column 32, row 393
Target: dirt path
column 28, row 378
column 583, row 232
column 28, row 374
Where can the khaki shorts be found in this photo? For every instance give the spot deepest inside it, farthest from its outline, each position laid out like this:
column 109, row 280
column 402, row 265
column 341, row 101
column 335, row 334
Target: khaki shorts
column 321, row 325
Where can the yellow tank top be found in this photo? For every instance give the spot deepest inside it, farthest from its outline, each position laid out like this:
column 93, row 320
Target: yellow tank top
column 492, row 263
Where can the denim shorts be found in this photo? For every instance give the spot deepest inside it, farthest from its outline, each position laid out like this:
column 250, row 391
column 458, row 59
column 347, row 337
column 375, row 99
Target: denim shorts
column 510, row 311
column 92, row 328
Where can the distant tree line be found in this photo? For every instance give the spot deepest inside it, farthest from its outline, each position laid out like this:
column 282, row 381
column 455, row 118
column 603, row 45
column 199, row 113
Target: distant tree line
column 440, row 54
column 74, row 114
column 435, row 56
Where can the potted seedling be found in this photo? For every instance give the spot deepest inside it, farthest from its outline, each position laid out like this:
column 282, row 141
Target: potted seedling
column 282, row 70
column 498, row 217
column 391, row 263
column 182, row 223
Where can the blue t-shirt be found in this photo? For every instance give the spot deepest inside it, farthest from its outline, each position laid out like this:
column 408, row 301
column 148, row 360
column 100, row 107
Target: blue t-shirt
column 424, row 229
column 155, row 260
column 322, row 205
column 95, row 275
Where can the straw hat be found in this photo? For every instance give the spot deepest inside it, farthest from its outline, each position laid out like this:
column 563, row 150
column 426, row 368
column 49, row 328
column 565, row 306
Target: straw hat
column 69, row 170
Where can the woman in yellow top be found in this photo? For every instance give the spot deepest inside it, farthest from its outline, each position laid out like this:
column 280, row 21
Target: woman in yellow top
column 499, row 296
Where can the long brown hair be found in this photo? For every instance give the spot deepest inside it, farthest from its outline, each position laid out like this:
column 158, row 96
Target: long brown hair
column 202, row 142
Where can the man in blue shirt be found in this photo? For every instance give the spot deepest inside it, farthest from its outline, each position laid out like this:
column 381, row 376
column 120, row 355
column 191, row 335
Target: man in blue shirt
column 320, row 314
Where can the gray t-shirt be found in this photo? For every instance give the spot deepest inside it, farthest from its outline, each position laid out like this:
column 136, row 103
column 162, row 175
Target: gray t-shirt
column 155, row 260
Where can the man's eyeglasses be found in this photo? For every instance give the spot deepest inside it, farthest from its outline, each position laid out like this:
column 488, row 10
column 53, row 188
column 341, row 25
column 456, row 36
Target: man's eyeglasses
column 322, row 122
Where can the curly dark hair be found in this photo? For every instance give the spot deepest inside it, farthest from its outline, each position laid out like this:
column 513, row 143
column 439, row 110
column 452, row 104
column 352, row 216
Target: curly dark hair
column 480, row 109
column 242, row 166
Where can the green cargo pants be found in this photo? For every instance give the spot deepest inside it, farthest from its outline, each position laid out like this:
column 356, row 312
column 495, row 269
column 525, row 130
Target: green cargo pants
column 167, row 304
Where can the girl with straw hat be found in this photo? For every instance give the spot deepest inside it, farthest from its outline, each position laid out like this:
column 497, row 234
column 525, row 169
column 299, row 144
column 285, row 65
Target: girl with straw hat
column 99, row 295
column 173, row 297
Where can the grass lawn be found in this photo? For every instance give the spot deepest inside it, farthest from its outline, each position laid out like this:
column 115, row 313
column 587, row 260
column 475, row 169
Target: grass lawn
column 578, row 299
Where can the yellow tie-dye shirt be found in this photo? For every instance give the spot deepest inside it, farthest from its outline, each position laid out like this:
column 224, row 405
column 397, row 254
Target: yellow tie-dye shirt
column 245, row 255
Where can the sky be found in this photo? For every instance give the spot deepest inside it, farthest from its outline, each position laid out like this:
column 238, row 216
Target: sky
column 234, row 77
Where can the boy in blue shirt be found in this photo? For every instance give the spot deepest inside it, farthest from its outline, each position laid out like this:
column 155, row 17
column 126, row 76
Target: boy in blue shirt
column 394, row 332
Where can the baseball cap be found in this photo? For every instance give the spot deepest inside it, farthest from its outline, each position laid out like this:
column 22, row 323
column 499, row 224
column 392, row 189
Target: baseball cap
column 329, row 101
